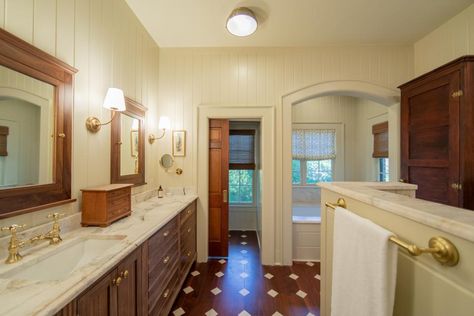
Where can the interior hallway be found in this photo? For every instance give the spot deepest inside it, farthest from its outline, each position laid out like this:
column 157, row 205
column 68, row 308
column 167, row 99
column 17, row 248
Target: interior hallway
column 242, row 286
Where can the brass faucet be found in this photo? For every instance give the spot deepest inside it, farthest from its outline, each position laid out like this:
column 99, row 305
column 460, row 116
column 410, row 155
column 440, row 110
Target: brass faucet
column 15, row 244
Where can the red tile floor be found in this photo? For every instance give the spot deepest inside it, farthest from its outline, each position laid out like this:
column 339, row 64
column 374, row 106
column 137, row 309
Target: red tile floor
column 241, row 286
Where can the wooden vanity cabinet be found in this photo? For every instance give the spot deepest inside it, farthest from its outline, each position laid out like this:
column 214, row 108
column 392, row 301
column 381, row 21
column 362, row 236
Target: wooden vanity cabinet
column 117, row 293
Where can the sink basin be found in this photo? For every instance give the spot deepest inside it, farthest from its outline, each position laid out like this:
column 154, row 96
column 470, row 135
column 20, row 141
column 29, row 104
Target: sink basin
column 68, row 258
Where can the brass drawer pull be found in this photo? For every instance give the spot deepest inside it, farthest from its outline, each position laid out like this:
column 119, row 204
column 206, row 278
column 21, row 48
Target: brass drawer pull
column 189, row 230
column 166, row 233
column 166, row 259
column 189, row 211
column 167, row 293
column 189, row 253
column 124, row 274
column 117, row 281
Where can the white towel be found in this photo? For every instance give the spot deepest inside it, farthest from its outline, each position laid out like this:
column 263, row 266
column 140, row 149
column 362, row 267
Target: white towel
column 364, row 267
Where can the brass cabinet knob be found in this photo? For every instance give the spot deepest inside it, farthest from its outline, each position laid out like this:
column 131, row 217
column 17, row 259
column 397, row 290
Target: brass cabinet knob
column 189, row 230
column 117, row 281
column 167, row 293
column 189, row 253
column 62, row 135
column 166, row 233
column 124, row 274
column 165, row 261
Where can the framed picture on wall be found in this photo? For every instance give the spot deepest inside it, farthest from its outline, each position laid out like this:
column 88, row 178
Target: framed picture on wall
column 179, row 143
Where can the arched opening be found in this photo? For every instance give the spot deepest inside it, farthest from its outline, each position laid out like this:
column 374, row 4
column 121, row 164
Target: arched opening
column 357, row 89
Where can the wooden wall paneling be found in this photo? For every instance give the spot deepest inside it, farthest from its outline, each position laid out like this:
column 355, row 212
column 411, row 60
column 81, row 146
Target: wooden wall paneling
column 19, row 17
column 2, row 13
column 44, row 28
column 64, row 44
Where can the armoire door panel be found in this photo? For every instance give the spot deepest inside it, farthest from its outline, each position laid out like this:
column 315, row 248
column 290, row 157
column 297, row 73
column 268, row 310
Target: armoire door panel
column 432, row 183
column 430, row 143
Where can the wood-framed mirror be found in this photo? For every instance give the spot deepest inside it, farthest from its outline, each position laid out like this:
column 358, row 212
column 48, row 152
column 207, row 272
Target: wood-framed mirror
column 36, row 96
column 127, row 156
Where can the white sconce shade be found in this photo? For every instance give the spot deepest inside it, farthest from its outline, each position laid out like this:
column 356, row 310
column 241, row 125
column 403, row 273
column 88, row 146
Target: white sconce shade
column 114, row 100
column 135, row 125
column 242, row 22
column 164, row 123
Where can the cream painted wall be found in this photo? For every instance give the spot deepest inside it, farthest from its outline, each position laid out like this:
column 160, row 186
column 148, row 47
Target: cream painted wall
column 260, row 76
column 107, row 44
column 452, row 39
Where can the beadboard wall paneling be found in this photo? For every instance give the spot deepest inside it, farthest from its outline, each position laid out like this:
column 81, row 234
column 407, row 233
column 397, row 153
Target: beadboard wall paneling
column 105, row 41
column 452, row 39
column 260, row 76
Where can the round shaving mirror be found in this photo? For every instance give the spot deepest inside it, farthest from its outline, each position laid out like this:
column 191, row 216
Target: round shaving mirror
column 166, row 161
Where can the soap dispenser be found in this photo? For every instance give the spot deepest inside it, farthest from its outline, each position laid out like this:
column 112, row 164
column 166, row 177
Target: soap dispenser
column 160, row 192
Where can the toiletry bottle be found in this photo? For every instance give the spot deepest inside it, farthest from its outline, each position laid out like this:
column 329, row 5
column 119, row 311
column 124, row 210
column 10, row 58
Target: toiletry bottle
column 160, row 192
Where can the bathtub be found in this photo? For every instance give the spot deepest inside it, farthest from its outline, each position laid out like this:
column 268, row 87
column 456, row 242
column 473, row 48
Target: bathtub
column 306, row 232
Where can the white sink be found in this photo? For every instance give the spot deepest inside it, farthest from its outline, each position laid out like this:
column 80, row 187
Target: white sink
column 70, row 257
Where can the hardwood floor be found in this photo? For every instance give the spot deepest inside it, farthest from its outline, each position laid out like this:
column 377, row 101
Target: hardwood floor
column 241, row 286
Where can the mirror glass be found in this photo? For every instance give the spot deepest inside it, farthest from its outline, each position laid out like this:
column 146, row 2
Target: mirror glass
column 26, row 130
column 166, row 161
column 129, row 151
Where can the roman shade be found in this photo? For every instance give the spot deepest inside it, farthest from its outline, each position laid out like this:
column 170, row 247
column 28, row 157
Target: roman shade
column 380, row 132
column 242, row 149
column 314, row 144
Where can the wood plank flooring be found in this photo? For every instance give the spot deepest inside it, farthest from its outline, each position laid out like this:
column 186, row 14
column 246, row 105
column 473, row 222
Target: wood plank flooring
column 241, row 286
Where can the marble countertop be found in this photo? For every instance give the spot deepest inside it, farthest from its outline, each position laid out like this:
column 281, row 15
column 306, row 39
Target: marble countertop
column 35, row 297
column 456, row 221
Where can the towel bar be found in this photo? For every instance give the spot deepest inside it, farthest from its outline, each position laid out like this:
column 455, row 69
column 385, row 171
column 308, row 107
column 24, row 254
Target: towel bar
column 443, row 250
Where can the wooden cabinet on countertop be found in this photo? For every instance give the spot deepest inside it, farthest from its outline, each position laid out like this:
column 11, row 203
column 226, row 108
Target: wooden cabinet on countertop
column 148, row 280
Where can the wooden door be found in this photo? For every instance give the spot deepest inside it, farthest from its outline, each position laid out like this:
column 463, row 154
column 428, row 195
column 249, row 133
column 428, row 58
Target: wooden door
column 129, row 292
column 100, row 299
column 218, row 188
column 430, row 138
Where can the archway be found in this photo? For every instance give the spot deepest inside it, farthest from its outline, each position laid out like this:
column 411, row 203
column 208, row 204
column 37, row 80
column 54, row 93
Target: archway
column 385, row 96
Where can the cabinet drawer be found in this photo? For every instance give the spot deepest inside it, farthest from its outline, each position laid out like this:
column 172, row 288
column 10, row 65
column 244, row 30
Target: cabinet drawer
column 188, row 228
column 164, row 301
column 166, row 233
column 188, row 212
column 117, row 194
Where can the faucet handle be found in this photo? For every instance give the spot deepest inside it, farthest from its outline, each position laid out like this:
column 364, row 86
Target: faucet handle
column 56, row 216
column 13, row 228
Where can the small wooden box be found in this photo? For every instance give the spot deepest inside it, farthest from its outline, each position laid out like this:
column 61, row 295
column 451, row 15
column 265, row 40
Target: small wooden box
column 101, row 206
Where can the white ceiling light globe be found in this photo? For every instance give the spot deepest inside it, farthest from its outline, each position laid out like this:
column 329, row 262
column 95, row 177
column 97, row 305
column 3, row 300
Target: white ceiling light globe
column 242, row 22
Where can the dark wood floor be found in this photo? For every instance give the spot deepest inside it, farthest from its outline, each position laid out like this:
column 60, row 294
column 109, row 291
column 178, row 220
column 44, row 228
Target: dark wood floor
column 241, row 286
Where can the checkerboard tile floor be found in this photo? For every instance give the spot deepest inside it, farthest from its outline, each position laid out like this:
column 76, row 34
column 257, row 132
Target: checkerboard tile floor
column 240, row 285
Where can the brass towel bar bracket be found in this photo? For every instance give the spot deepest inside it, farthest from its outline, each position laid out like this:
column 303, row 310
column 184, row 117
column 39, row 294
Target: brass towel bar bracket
column 443, row 250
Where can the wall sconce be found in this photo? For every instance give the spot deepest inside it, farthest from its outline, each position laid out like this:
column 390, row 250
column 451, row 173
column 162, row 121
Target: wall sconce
column 114, row 101
column 163, row 124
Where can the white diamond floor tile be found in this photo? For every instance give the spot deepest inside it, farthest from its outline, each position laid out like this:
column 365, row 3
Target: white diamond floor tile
column 188, row 290
column 219, row 274
column 310, row 314
column 179, row 312
column 293, row 276
column 244, row 313
column 243, row 262
column 244, row 292
column 277, row 314
column 317, row 276
column 243, row 243
column 301, row 294
column 243, row 236
column 309, row 263
column 268, row 276
column 211, row 312
column 222, row 261
column 244, row 275
column 195, row 273
column 243, row 251
column 272, row 293
column 216, row 291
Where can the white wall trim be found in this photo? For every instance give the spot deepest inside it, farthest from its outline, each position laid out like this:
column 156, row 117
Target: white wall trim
column 266, row 114
column 360, row 89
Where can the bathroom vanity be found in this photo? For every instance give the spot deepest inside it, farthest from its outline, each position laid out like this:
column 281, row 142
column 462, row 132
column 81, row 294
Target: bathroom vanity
column 135, row 266
column 424, row 286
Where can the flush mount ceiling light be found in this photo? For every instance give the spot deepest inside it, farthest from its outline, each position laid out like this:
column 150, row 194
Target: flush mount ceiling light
column 242, row 22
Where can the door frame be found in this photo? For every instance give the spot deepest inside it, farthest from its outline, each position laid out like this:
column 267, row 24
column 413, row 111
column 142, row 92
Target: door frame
column 266, row 115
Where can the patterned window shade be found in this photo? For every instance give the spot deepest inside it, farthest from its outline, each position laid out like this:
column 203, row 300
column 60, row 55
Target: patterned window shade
column 314, row 144
column 242, row 149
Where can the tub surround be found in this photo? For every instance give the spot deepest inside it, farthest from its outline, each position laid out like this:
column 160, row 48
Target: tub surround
column 28, row 297
column 392, row 197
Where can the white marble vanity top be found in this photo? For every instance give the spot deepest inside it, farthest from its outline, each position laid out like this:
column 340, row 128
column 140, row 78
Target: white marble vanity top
column 452, row 220
column 40, row 297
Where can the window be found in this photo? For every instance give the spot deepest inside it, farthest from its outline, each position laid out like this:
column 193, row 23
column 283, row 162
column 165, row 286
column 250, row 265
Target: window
column 241, row 186
column 314, row 152
column 242, row 166
column 383, row 174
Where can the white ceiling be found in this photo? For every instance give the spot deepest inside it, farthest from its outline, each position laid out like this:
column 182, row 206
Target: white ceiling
column 287, row 23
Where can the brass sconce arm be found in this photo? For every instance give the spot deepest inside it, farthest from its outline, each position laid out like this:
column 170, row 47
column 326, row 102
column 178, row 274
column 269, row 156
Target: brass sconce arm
column 93, row 124
column 152, row 137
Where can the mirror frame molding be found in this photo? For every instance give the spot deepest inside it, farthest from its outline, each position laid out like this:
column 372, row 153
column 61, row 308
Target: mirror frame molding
column 137, row 111
column 25, row 58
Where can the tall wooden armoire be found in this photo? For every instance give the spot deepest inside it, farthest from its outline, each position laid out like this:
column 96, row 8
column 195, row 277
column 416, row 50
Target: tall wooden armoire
column 437, row 133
